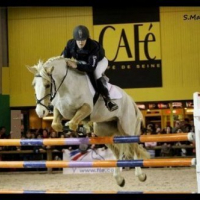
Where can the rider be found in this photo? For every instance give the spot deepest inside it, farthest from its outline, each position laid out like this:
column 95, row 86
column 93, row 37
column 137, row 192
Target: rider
column 82, row 48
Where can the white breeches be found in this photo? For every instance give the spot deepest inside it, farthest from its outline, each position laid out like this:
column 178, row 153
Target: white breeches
column 101, row 67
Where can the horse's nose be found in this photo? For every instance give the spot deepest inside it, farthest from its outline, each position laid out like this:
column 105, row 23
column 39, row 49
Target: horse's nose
column 43, row 112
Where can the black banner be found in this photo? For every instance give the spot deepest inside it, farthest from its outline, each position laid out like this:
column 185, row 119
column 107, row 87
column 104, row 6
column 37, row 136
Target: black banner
column 131, row 39
column 141, row 74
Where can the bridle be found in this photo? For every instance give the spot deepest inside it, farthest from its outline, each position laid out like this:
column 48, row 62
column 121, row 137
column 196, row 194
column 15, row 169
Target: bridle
column 53, row 90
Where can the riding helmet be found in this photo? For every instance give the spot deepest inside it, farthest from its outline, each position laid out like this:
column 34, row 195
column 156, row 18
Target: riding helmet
column 81, row 33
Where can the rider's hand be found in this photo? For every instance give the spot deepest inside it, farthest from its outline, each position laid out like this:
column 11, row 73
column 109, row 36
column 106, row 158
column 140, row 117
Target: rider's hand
column 71, row 64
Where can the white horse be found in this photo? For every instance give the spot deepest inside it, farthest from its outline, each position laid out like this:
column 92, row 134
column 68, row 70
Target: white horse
column 70, row 93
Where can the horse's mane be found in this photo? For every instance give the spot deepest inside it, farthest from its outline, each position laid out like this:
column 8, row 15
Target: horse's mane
column 52, row 59
column 41, row 67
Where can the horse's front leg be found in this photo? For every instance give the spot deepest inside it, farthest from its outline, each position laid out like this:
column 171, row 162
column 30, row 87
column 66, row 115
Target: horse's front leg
column 81, row 114
column 56, row 123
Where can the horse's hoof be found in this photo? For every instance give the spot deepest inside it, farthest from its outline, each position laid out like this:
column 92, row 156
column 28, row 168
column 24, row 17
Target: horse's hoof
column 142, row 177
column 72, row 126
column 122, row 184
column 57, row 127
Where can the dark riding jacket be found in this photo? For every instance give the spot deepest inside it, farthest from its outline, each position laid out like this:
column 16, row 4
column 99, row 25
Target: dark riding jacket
column 92, row 53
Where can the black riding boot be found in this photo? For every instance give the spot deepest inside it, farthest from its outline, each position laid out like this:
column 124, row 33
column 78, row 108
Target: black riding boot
column 102, row 86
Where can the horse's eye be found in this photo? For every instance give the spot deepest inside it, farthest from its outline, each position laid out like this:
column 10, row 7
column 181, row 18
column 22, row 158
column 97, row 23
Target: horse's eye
column 47, row 86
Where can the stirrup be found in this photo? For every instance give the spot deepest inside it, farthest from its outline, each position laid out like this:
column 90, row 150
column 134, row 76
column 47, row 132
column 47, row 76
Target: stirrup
column 111, row 106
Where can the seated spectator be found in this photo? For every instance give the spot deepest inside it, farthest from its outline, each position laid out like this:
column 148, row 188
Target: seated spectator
column 56, row 149
column 176, row 127
column 2, row 132
column 45, row 133
column 167, row 130
column 166, row 149
column 27, row 156
column 151, row 127
column 150, row 144
column 158, row 130
column 53, row 134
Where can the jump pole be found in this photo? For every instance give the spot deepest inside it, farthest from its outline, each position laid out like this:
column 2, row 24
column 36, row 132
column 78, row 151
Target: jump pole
column 99, row 140
column 196, row 113
column 86, row 192
column 182, row 162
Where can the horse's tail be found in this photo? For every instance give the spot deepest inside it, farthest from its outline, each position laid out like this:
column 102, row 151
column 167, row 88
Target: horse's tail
column 141, row 152
column 135, row 149
column 139, row 120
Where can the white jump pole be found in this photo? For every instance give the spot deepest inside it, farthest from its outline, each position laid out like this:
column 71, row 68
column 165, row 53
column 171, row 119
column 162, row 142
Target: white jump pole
column 196, row 113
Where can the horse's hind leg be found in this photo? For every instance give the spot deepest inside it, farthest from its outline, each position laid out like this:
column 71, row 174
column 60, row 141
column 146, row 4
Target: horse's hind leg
column 138, row 170
column 119, row 179
column 57, row 118
column 141, row 176
column 117, row 172
column 135, row 151
column 81, row 114
column 109, row 129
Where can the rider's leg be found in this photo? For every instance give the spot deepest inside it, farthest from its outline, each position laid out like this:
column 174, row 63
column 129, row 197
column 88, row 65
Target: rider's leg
column 102, row 84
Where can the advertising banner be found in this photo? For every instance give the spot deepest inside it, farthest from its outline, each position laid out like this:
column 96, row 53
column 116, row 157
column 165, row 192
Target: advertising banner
column 131, row 39
column 89, row 155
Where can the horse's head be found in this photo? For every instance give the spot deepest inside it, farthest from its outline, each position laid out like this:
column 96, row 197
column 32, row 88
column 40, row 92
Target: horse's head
column 42, row 87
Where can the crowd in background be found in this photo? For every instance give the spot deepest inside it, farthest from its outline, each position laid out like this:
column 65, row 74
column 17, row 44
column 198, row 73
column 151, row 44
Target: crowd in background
column 180, row 126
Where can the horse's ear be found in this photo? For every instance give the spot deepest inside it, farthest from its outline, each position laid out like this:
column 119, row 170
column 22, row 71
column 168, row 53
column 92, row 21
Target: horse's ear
column 49, row 70
column 32, row 69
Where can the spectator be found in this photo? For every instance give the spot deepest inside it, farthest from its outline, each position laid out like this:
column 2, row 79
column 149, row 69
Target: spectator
column 150, row 144
column 176, row 127
column 45, row 133
column 3, row 132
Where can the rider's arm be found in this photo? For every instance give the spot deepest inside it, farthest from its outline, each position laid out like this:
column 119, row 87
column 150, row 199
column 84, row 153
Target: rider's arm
column 66, row 52
column 90, row 66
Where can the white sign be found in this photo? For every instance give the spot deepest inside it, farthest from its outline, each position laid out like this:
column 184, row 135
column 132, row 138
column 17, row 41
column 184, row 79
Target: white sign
column 90, row 155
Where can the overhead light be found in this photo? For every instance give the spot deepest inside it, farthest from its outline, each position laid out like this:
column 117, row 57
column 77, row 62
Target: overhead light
column 189, row 110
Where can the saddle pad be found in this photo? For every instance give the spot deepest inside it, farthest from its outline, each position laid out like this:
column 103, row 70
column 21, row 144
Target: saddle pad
column 113, row 90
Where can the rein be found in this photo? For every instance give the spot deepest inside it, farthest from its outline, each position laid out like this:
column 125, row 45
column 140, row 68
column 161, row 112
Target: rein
column 53, row 86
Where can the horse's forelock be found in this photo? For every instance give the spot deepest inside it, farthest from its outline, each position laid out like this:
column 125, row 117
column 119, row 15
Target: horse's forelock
column 44, row 74
column 40, row 63
column 41, row 70
column 41, row 66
